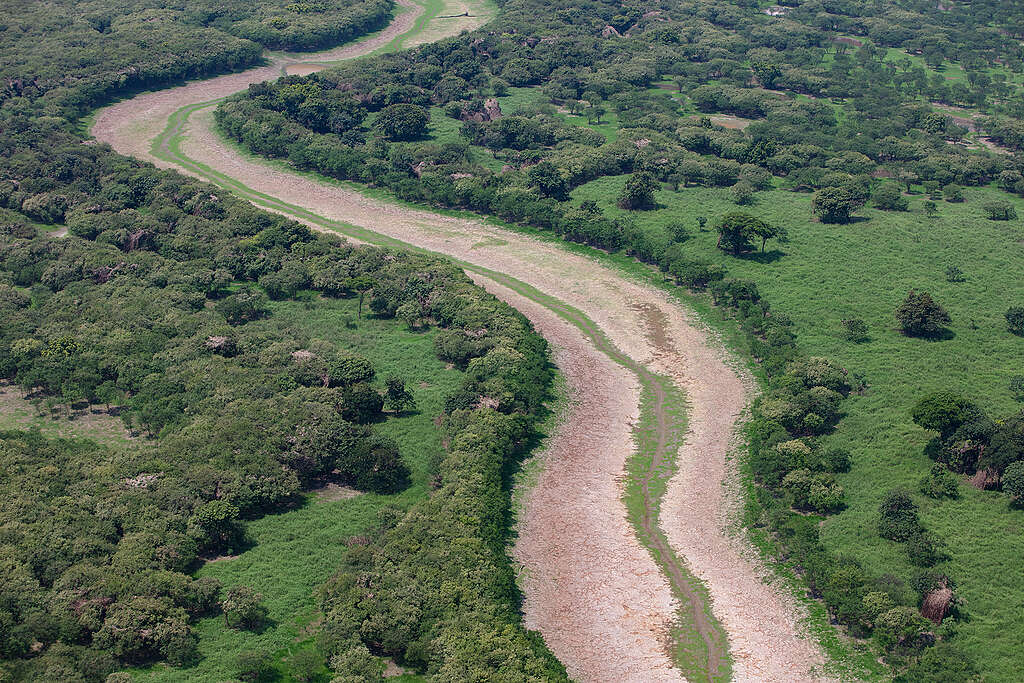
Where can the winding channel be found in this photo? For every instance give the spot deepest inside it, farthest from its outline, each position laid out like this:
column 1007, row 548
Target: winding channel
column 630, row 571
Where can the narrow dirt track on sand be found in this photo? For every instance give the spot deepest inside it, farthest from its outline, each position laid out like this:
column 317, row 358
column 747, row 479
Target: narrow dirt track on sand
column 591, row 589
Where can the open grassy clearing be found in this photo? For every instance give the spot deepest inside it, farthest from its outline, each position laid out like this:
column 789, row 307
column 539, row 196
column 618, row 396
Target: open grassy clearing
column 827, row 273
column 296, row 551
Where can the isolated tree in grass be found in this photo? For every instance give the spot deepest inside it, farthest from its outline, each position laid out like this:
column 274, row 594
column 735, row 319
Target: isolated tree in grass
column 889, row 198
column 855, row 330
column 396, row 396
column 1015, row 320
column 243, row 609
column 362, row 284
column 897, row 516
column 920, row 316
column 402, row 122
column 737, row 232
column 944, row 412
column 638, row 193
column 834, row 204
column 999, row 211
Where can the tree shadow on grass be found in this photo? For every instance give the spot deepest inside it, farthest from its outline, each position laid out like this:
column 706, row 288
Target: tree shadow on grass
column 770, row 256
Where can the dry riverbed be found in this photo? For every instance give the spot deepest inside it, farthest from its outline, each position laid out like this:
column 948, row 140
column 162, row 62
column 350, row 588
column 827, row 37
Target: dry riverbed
column 591, row 589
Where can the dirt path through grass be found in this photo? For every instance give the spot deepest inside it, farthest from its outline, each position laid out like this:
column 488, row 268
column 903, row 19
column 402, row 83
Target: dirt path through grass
column 592, row 589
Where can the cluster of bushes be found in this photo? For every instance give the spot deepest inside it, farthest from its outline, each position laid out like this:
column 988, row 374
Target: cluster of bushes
column 448, row 608
column 159, row 302
column 796, row 486
column 970, row 443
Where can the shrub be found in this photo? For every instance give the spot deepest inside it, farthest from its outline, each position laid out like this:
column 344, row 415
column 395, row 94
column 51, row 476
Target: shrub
column 306, row 665
column 818, row 492
column 855, row 330
column 1015, row 320
column 943, row 663
column 924, row 550
column 999, row 211
column 1016, row 387
column 836, row 460
column 897, row 519
column 899, row 626
column 1013, row 482
column 743, row 193
column 243, row 609
column 939, row 483
column 954, row 274
column 254, row 666
column 889, row 198
column 920, row 316
column 953, row 193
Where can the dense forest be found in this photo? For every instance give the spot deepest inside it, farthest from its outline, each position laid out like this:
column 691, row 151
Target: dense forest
column 65, row 57
column 611, row 125
column 157, row 302
column 145, row 295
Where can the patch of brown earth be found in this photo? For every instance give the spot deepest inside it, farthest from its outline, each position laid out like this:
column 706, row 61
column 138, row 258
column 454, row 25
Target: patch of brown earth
column 332, row 492
column 601, row 602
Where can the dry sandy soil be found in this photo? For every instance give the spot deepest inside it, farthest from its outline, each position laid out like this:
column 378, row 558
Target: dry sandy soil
column 591, row 589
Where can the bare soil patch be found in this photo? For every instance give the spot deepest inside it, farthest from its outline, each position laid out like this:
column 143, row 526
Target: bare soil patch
column 332, row 492
column 601, row 602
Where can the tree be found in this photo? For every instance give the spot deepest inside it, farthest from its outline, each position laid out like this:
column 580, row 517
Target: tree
column 834, row 204
column 638, row 193
column 1015, row 320
column 243, row 609
column 999, row 211
column 897, row 516
column 743, row 193
column 889, row 198
column 766, row 72
column 244, row 306
column 920, row 316
column 216, row 524
column 396, row 396
column 402, row 122
column 1013, row 482
column 362, row 284
column 737, row 231
column 944, row 412
column 255, row 666
column 549, row 180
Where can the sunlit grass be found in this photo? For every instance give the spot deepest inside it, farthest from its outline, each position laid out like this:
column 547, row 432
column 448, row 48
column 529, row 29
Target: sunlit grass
column 827, row 273
column 295, row 551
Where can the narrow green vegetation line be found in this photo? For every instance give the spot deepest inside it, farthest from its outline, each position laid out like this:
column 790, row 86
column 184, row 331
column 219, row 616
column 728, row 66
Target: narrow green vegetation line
column 700, row 649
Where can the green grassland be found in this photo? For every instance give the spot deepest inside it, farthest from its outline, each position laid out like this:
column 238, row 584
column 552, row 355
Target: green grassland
column 294, row 552
column 830, row 272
